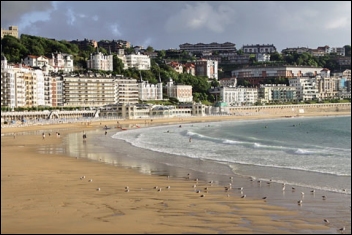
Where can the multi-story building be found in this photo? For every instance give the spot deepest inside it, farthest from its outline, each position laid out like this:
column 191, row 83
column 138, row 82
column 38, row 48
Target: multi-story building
column 208, row 68
column 271, row 93
column 189, row 68
column 150, row 91
column 138, row 61
column 258, row 74
column 12, row 31
column 36, row 61
column 54, row 62
column 88, row 91
column 99, row 61
column 258, row 48
column 113, row 46
column 85, row 44
column 181, row 92
column 262, row 57
column 200, row 47
column 306, row 88
column 338, row 50
column 238, row 96
column 127, row 90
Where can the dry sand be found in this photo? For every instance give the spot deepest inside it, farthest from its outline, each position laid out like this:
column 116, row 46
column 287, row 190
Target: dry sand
column 44, row 193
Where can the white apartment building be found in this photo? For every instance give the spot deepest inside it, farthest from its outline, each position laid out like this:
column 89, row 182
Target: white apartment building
column 230, row 82
column 150, row 91
column 99, row 61
column 54, row 62
column 306, row 88
column 181, row 92
column 214, row 46
column 208, row 68
column 127, row 90
column 262, row 57
column 338, row 50
column 239, row 96
column 88, row 91
column 269, row 93
column 138, row 61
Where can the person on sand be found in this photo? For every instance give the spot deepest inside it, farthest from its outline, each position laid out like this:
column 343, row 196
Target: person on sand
column 84, row 136
column 106, row 132
column 190, row 139
column 43, row 135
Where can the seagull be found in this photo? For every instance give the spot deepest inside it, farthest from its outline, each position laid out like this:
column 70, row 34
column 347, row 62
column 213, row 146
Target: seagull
column 98, row 189
column 293, row 189
column 127, row 190
column 156, row 187
column 168, row 187
column 326, row 221
column 324, row 197
column 342, row 229
column 313, row 191
column 127, row 187
column 194, row 186
column 159, row 189
column 302, row 193
column 283, row 187
column 198, row 191
column 263, row 198
column 240, row 188
column 90, row 180
column 206, row 189
column 202, row 195
column 300, row 202
column 243, row 196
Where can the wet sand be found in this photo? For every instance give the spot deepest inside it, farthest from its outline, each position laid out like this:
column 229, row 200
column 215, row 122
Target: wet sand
column 44, row 192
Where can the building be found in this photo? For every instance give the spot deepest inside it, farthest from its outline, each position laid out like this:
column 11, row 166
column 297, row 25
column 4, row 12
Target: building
column 258, row 74
column 292, row 50
column 238, row 96
column 228, row 82
column 208, row 68
column 183, row 93
column 200, row 47
column 98, row 61
column 113, row 46
column 127, row 90
column 306, row 88
column 88, row 91
column 85, row 44
column 12, row 31
column 150, row 91
column 189, row 68
column 276, row 93
column 176, row 66
column 138, row 61
column 258, row 48
column 262, row 57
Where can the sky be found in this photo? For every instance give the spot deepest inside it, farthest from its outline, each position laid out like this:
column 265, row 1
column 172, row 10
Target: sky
column 164, row 25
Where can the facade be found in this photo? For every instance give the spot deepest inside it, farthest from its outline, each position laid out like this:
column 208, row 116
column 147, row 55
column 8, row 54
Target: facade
column 273, row 93
column 88, row 91
column 138, row 61
column 228, row 82
column 114, row 45
column 292, row 50
column 189, row 68
column 200, row 47
column 99, row 61
column 150, row 91
column 306, row 88
column 258, row 74
column 238, row 96
column 127, row 90
column 181, row 92
column 208, row 68
column 262, row 57
column 258, row 48
column 85, row 44
column 338, row 50
column 12, row 31
column 36, row 61
column 176, row 66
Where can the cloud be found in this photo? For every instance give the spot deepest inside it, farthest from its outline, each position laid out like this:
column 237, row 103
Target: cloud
column 200, row 16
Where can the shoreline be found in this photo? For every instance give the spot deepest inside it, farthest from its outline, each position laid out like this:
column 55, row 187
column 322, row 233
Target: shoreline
column 70, row 205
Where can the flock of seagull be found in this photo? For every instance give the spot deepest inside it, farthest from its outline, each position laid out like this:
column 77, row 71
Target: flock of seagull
column 229, row 187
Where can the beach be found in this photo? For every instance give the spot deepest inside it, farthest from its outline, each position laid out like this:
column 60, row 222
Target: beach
column 46, row 191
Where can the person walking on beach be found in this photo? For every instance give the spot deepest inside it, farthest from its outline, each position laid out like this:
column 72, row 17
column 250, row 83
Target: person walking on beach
column 106, row 132
column 43, row 135
column 84, row 136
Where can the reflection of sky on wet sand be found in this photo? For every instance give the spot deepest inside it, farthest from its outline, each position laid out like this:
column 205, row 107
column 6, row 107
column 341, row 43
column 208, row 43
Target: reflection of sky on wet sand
column 75, row 146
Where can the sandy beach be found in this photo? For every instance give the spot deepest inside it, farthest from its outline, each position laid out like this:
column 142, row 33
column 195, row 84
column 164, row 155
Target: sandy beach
column 50, row 192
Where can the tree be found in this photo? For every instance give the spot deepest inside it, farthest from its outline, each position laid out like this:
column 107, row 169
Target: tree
column 117, row 65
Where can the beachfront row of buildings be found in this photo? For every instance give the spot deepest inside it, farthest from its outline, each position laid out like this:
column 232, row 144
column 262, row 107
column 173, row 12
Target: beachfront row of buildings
column 24, row 86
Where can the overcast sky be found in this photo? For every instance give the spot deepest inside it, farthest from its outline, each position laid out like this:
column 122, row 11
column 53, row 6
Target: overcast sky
column 165, row 25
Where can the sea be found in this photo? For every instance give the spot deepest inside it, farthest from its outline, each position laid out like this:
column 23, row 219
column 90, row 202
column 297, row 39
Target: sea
column 304, row 151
